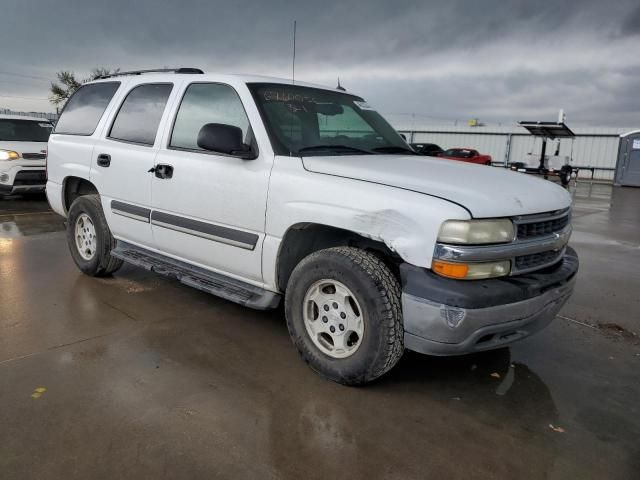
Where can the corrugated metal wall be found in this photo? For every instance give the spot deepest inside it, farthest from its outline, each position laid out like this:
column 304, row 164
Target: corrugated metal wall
column 593, row 147
column 494, row 145
column 599, row 152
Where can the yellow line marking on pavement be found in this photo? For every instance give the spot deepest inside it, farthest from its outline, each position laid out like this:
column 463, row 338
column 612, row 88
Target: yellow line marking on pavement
column 38, row 392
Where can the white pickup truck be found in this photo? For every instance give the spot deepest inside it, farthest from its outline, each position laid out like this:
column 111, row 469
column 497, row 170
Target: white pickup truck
column 23, row 152
column 259, row 190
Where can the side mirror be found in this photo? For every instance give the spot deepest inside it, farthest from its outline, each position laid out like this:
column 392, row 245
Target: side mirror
column 218, row 137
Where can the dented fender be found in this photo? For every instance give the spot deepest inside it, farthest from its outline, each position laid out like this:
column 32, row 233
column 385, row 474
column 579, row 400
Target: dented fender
column 406, row 221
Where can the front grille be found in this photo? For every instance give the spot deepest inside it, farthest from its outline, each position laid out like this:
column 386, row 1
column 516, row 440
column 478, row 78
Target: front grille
column 34, row 156
column 30, row 177
column 542, row 227
column 537, row 260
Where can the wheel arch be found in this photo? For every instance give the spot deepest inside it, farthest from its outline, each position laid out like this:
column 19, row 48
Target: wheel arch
column 74, row 187
column 302, row 239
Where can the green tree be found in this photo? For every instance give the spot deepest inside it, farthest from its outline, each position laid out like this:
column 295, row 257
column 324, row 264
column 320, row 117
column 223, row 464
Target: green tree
column 67, row 83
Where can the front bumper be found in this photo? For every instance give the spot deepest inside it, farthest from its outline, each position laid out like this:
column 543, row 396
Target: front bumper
column 454, row 317
column 22, row 179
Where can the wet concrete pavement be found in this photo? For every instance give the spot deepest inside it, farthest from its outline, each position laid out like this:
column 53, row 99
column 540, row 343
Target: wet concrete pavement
column 146, row 378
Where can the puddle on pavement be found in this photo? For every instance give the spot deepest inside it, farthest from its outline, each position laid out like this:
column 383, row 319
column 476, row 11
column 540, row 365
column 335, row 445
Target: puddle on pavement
column 590, row 197
column 28, row 224
column 27, row 216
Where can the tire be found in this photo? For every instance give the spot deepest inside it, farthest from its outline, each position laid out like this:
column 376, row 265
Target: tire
column 565, row 175
column 376, row 293
column 99, row 263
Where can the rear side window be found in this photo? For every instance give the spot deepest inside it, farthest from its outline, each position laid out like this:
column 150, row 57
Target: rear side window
column 207, row 103
column 84, row 109
column 140, row 113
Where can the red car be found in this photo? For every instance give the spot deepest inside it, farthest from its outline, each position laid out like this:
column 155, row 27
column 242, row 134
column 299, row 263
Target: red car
column 466, row 155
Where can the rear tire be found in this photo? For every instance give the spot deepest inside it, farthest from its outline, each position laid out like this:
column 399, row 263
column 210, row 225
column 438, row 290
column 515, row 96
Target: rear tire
column 315, row 302
column 89, row 238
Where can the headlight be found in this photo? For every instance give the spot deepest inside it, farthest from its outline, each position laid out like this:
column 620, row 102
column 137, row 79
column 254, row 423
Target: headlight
column 476, row 232
column 9, row 155
column 471, row 271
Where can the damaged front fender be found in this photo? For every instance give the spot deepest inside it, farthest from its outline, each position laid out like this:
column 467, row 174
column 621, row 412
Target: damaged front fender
column 406, row 222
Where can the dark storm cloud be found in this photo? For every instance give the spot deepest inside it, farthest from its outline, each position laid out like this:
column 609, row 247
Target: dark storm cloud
column 497, row 60
column 631, row 22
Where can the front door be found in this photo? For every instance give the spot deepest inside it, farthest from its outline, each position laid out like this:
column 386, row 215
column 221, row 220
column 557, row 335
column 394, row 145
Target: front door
column 210, row 211
column 630, row 161
column 122, row 158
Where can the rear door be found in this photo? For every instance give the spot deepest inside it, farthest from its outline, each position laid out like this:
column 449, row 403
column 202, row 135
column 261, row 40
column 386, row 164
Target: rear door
column 123, row 157
column 211, row 211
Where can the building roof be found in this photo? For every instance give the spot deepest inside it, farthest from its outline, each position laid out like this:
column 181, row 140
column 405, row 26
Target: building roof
column 405, row 126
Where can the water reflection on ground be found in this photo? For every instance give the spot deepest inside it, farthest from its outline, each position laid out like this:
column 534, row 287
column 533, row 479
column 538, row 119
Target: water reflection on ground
column 27, row 216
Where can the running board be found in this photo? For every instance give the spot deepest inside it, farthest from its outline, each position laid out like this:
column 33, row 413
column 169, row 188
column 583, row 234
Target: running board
column 210, row 282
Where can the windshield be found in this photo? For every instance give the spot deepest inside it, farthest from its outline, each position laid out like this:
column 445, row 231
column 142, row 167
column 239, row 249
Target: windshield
column 303, row 121
column 24, row 130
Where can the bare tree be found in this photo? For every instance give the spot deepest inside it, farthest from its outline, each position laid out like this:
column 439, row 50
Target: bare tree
column 67, row 84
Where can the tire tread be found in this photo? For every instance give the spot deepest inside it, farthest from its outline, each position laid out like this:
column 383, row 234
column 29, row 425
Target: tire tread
column 387, row 289
column 107, row 264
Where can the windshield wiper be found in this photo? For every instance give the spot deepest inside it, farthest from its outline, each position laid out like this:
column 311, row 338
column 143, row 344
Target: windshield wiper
column 346, row 148
column 394, row 149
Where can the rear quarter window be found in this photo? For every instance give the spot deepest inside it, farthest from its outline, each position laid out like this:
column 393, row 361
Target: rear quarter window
column 84, row 109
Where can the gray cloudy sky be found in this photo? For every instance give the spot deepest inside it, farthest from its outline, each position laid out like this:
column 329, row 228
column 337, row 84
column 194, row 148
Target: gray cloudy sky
column 496, row 60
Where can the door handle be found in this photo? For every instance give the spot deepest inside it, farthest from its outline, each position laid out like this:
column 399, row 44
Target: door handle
column 104, row 160
column 162, row 171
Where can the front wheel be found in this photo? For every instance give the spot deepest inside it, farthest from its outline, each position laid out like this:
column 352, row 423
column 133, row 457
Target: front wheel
column 344, row 314
column 89, row 238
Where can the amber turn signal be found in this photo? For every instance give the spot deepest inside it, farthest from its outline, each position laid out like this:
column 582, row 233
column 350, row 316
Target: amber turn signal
column 451, row 270
column 471, row 271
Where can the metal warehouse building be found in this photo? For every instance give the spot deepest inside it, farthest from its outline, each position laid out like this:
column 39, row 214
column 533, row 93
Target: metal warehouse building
column 594, row 149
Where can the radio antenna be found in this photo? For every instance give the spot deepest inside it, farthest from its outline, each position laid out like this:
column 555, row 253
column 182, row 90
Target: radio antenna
column 293, row 63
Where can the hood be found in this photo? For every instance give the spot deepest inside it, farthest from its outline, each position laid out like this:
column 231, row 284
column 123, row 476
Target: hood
column 484, row 191
column 22, row 147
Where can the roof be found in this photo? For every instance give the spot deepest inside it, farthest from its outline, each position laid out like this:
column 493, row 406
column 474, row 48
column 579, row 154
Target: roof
column 213, row 77
column 24, row 117
column 626, row 134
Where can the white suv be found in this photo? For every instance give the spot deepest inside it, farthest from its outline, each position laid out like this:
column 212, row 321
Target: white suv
column 259, row 190
column 23, row 153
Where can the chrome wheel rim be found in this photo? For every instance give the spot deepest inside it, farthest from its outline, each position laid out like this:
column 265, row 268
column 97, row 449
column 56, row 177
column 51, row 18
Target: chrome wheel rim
column 333, row 318
column 85, row 235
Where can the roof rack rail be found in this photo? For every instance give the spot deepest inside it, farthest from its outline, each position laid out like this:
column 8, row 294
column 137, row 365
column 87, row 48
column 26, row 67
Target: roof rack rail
column 187, row 70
